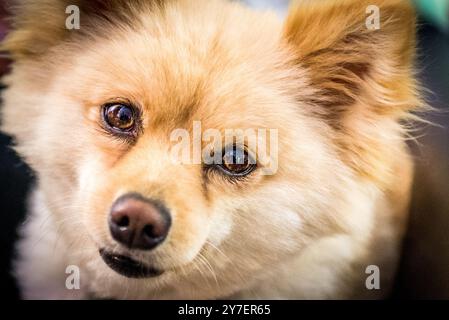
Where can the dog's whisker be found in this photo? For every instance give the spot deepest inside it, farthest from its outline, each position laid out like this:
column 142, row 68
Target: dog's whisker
column 209, row 267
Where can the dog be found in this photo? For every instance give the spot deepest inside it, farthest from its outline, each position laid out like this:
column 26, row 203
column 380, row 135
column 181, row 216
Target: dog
column 92, row 111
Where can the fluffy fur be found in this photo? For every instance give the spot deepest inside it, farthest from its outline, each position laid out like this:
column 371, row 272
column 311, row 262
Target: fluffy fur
column 338, row 93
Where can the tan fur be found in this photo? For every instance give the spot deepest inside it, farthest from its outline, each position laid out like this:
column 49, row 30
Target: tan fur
column 336, row 91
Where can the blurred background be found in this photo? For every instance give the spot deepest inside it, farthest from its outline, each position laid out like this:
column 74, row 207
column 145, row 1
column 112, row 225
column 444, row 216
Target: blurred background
column 424, row 268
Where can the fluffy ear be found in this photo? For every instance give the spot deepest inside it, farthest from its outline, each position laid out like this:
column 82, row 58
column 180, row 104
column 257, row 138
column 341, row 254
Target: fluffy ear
column 351, row 63
column 363, row 77
column 38, row 25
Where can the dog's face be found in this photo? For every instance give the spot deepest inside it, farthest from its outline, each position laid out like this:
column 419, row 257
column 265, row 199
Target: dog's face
column 102, row 104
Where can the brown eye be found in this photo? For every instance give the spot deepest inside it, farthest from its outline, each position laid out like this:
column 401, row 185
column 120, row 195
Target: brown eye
column 237, row 162
column 120, row 117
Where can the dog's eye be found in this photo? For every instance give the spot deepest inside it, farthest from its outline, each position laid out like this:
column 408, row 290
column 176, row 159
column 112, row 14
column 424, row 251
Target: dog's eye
column 237, row 162
column 120, row 117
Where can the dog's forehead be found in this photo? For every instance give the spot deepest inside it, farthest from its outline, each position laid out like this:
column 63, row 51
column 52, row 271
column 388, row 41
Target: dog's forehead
column 186, row 73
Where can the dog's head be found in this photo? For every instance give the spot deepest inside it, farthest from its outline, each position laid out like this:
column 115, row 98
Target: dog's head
column 98, row 112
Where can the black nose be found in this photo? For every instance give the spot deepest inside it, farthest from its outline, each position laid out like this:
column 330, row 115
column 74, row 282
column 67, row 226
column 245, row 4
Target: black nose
column 138, row 222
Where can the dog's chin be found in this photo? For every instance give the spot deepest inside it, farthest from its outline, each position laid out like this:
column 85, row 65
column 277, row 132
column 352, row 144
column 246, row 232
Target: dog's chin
column 127, row 266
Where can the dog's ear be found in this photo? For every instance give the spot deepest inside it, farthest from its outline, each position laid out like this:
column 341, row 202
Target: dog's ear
column 362, row 72
column 358, row 52
column 37, row 25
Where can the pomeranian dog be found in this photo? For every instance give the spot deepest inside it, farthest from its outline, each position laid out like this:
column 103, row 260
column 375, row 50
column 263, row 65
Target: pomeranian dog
column 93, row 110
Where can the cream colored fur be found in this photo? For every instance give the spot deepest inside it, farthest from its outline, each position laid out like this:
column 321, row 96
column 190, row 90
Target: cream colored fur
column 337, row 204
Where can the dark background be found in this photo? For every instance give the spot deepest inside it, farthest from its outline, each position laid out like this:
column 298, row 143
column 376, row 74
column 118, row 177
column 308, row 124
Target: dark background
column 424, row 268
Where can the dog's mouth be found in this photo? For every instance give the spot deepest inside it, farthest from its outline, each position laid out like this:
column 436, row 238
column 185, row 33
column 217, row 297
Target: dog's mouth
column 127, row 266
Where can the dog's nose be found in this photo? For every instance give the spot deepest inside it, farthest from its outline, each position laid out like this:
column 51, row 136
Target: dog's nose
column 138, row 222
